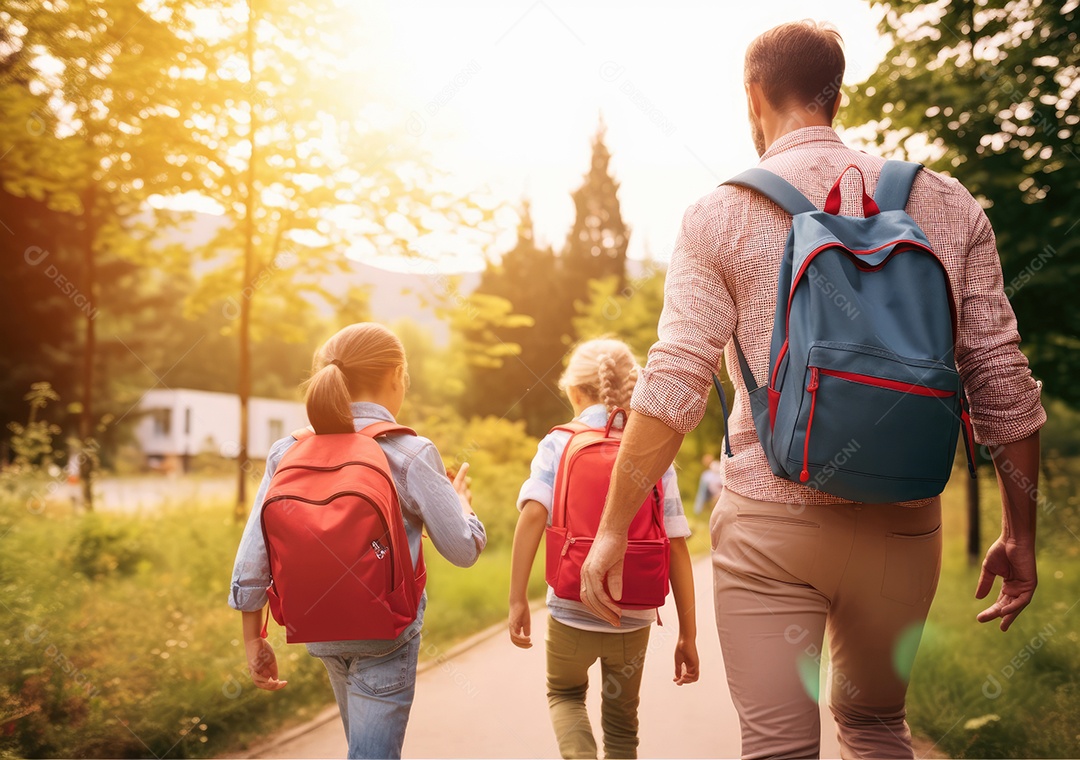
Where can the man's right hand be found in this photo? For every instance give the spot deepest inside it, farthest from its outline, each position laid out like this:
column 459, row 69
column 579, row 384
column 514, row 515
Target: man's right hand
column 1014, row 562
column 601, row 576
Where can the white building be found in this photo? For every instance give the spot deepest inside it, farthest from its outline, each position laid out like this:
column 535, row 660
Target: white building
column 178, row 423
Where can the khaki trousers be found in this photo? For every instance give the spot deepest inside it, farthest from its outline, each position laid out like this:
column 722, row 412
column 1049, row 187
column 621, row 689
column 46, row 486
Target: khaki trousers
column 784, row 574
column 570, row 654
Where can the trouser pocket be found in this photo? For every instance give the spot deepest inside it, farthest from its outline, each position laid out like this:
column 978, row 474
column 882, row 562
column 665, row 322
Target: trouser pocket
column 912, row 565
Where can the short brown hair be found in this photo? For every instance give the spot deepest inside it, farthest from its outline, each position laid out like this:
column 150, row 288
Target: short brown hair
column 798, row 64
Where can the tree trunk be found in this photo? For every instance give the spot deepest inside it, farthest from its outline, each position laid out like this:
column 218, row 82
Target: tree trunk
column 86, row 414
column 244, row 385
column 974, row 542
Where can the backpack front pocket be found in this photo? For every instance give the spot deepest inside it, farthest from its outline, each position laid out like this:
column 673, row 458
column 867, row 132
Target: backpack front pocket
column 868, row 415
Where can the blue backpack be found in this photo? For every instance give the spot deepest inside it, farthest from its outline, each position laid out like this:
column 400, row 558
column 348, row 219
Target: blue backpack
column 863, row 400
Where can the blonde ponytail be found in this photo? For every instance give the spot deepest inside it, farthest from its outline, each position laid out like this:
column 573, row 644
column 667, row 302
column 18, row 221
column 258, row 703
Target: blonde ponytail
column 356, row 359
column 604, row 369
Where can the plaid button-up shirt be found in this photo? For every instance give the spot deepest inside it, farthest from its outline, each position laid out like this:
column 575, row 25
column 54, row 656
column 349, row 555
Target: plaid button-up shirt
column 722, row 280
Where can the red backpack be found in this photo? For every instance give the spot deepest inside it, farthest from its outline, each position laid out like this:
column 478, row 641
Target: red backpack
column 340, row 566
column 581, row 487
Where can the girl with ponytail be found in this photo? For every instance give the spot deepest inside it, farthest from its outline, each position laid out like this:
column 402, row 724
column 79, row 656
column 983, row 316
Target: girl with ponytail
column 599, row 377
column 359, row 378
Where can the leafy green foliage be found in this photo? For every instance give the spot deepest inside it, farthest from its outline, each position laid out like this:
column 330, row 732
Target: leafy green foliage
column 993, row 86
column 32, row 443
column 100, row 547
column 527, row 388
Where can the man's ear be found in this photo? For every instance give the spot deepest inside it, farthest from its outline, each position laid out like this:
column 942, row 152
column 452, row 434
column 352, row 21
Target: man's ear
column 836, row 105
column 754, row 97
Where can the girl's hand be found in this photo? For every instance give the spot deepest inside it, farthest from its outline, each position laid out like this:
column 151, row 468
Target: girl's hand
column 461, row 485
column 686, row 662
column 263, row 664
column 520, row 624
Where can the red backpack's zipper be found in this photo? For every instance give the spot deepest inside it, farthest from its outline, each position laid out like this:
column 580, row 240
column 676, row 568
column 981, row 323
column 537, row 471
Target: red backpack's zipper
column 323, row 502
column 812, row 387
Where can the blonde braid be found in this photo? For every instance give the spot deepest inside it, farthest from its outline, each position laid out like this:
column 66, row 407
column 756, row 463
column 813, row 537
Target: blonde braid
column 605, row 368
column 618, row 375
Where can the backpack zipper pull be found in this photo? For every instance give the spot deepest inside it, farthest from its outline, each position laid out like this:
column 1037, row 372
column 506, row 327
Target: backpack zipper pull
column 812, row 388
column 566, row 546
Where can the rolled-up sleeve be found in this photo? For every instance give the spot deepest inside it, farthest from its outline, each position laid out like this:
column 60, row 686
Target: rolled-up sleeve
column 696, row 323
column 458, row 538
column 251, row 570
column 1005, row 399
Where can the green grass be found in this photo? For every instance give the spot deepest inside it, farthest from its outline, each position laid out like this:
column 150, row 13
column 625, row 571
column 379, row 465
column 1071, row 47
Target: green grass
column 978, row 692
column 118, row 640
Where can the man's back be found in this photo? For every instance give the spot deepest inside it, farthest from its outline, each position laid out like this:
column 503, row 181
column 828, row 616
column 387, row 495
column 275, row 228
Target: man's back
column 726, row 265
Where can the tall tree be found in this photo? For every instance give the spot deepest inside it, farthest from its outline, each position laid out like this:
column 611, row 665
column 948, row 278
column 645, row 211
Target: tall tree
column 993, row 86
column 523, row 383
column 307, row 164
column 596, row 247
column 97, row 100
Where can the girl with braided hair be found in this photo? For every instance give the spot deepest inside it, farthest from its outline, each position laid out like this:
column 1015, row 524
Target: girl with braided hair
column 599, row 377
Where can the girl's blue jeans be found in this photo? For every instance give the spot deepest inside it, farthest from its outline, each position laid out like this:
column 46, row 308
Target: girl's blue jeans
column 375, row 695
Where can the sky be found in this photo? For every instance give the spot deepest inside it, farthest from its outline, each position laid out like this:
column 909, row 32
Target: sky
column 507, row 96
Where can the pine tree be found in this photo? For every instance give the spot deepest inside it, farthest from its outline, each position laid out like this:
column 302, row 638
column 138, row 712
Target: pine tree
column 597, row 244
column 524, row 385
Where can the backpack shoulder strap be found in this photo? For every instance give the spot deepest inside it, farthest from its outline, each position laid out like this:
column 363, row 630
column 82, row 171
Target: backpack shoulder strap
column 302, row 433
column 775, row 188
column 379, row 429
column 894, row 184
column 572, row 427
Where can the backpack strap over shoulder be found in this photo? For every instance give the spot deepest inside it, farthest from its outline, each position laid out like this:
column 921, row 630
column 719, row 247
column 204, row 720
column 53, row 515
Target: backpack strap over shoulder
column 775, row 188
column 303, row 433
column 379, row 429
column 572, row 427
column 894, row 184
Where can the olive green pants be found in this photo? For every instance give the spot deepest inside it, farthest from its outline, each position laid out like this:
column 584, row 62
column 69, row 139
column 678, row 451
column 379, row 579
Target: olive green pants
column 570, row 654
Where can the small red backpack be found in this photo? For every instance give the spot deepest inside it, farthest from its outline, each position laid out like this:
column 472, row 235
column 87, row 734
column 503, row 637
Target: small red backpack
column 581, row 487
column 340, row 566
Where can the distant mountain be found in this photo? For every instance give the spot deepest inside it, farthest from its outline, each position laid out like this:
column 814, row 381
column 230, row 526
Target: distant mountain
column 409, row 295
column 394, row 295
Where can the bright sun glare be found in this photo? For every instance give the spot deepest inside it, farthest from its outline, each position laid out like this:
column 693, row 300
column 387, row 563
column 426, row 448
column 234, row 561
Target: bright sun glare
column 506, row 97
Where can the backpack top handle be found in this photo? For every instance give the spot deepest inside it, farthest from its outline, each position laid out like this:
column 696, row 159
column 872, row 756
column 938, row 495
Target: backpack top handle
column 611, row 420
column 835, row 198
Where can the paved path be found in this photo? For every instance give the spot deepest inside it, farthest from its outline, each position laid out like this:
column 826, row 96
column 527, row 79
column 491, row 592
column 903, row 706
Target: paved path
column 489, row 701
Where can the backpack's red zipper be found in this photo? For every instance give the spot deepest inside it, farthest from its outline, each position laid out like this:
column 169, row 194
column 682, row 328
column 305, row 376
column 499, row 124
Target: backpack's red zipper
column 812, row 387
column 855, row 377
column 892, row 385
column 323, row 502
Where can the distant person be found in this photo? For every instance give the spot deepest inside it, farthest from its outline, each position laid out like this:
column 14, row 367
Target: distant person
column 599, row 378
column 791, row 561
column 710, row 484
column 357, row 387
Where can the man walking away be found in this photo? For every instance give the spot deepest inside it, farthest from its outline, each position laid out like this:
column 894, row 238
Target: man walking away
column 792, row 561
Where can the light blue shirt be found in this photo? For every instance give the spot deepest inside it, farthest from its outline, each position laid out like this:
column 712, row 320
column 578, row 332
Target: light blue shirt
column 540, row 487
column 428, row 501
